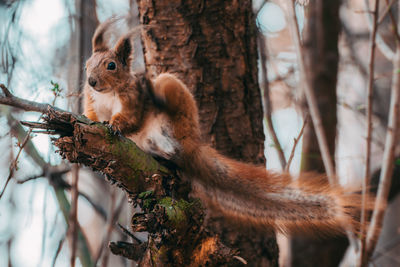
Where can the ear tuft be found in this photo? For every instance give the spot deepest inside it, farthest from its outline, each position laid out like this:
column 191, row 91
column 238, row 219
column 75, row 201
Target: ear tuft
column 98, row 41
column 123, row 50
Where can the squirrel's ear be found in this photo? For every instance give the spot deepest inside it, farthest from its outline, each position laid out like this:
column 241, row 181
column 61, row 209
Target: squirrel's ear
column 98, row 41
column 123, row 50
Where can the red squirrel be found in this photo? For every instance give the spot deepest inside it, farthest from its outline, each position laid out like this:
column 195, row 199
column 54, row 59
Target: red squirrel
column 161, row 117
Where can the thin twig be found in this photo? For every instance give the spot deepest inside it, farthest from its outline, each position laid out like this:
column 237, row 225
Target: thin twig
column 381, row 44
column 98, row 208
column 296, row 140
column 267, row 100
column 44, row 231
column 5, row 90
column 34, row 177
column 386, row 11
column 59, row 247
column 9, row 245
column 128, row 233
column 11, row 100
column 113, row 218
column 393, row 20
column 109, row 223
column 369, row 103
column 14, row 164
column 73, row 228
column 310, row 96
column 109, row 226
column 388, row 158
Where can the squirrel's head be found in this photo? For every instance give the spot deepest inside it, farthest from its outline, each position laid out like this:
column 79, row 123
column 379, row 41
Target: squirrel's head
column 107, row 68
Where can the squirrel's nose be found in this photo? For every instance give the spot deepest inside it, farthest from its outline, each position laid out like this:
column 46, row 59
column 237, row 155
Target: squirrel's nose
column 92, row 82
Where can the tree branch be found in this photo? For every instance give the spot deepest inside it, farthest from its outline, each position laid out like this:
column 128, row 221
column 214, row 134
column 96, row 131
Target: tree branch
column 388, row 158
column 10, row 100
column 383, row 47
column 310, row 96
column 367, row 174
column 267, row 101
column 96, row 145
column 296, row 140
column 172, row 223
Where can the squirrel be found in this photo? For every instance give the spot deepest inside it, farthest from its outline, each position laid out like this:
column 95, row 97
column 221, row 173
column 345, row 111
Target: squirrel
column 161, row 117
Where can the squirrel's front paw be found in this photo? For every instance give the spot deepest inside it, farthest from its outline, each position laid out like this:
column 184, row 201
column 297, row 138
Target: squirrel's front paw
column 118, row 123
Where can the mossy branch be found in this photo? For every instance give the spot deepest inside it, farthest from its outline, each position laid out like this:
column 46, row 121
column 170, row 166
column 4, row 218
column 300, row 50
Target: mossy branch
column 96, row 145
column 174, row 222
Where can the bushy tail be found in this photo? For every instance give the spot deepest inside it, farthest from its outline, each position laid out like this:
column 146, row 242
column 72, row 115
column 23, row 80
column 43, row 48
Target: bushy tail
column 251, row 195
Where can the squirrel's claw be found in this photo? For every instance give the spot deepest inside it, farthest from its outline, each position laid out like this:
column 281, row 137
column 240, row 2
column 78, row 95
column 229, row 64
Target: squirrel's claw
column 113, row 129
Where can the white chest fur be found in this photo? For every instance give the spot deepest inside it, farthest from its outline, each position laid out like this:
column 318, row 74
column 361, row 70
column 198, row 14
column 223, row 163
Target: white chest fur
column 106, row 105
column 156, row 137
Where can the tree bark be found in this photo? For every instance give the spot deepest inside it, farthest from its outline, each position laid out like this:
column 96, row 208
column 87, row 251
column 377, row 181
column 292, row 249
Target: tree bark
column 322, row 56
column 211, row 46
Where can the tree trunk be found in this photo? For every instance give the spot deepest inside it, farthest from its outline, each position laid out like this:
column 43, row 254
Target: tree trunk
column 211, row 46
column 321, row 51
column 81, row 49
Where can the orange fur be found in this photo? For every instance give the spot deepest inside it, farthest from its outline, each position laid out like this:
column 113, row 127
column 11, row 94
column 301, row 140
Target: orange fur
column 181, row 107
column 89, row 109
column 162, row 118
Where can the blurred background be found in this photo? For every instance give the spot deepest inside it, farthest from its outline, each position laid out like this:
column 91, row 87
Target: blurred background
column 43, row 48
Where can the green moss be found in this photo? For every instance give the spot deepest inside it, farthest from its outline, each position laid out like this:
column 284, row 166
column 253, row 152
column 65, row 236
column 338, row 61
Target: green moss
column 176, row 211
column 139, row 163
column 137, row 159
column 159, row 255
column 145, row 194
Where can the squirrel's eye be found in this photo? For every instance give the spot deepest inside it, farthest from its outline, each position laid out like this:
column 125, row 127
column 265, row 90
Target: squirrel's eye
column 111, row 66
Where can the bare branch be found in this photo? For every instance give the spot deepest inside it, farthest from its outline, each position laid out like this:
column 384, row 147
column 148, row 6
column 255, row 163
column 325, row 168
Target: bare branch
column 14, row 164
column 388, row 158
column 267, row 101
column 362, row 256
column 128, row 233
column 98, row 208
column 381, row 44
column 58, row 250
column 389, row 12
column 113, row 218
column 5, row 90
column 310, row 96
column 386, row 11
column 11, row 100
column 296, row 140
column 73, row 229
column 34, row 177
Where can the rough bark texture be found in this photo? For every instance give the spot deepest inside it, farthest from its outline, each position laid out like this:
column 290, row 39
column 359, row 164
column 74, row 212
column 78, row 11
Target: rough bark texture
column 211, row 46
column 97, row 146
column 321, row 51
